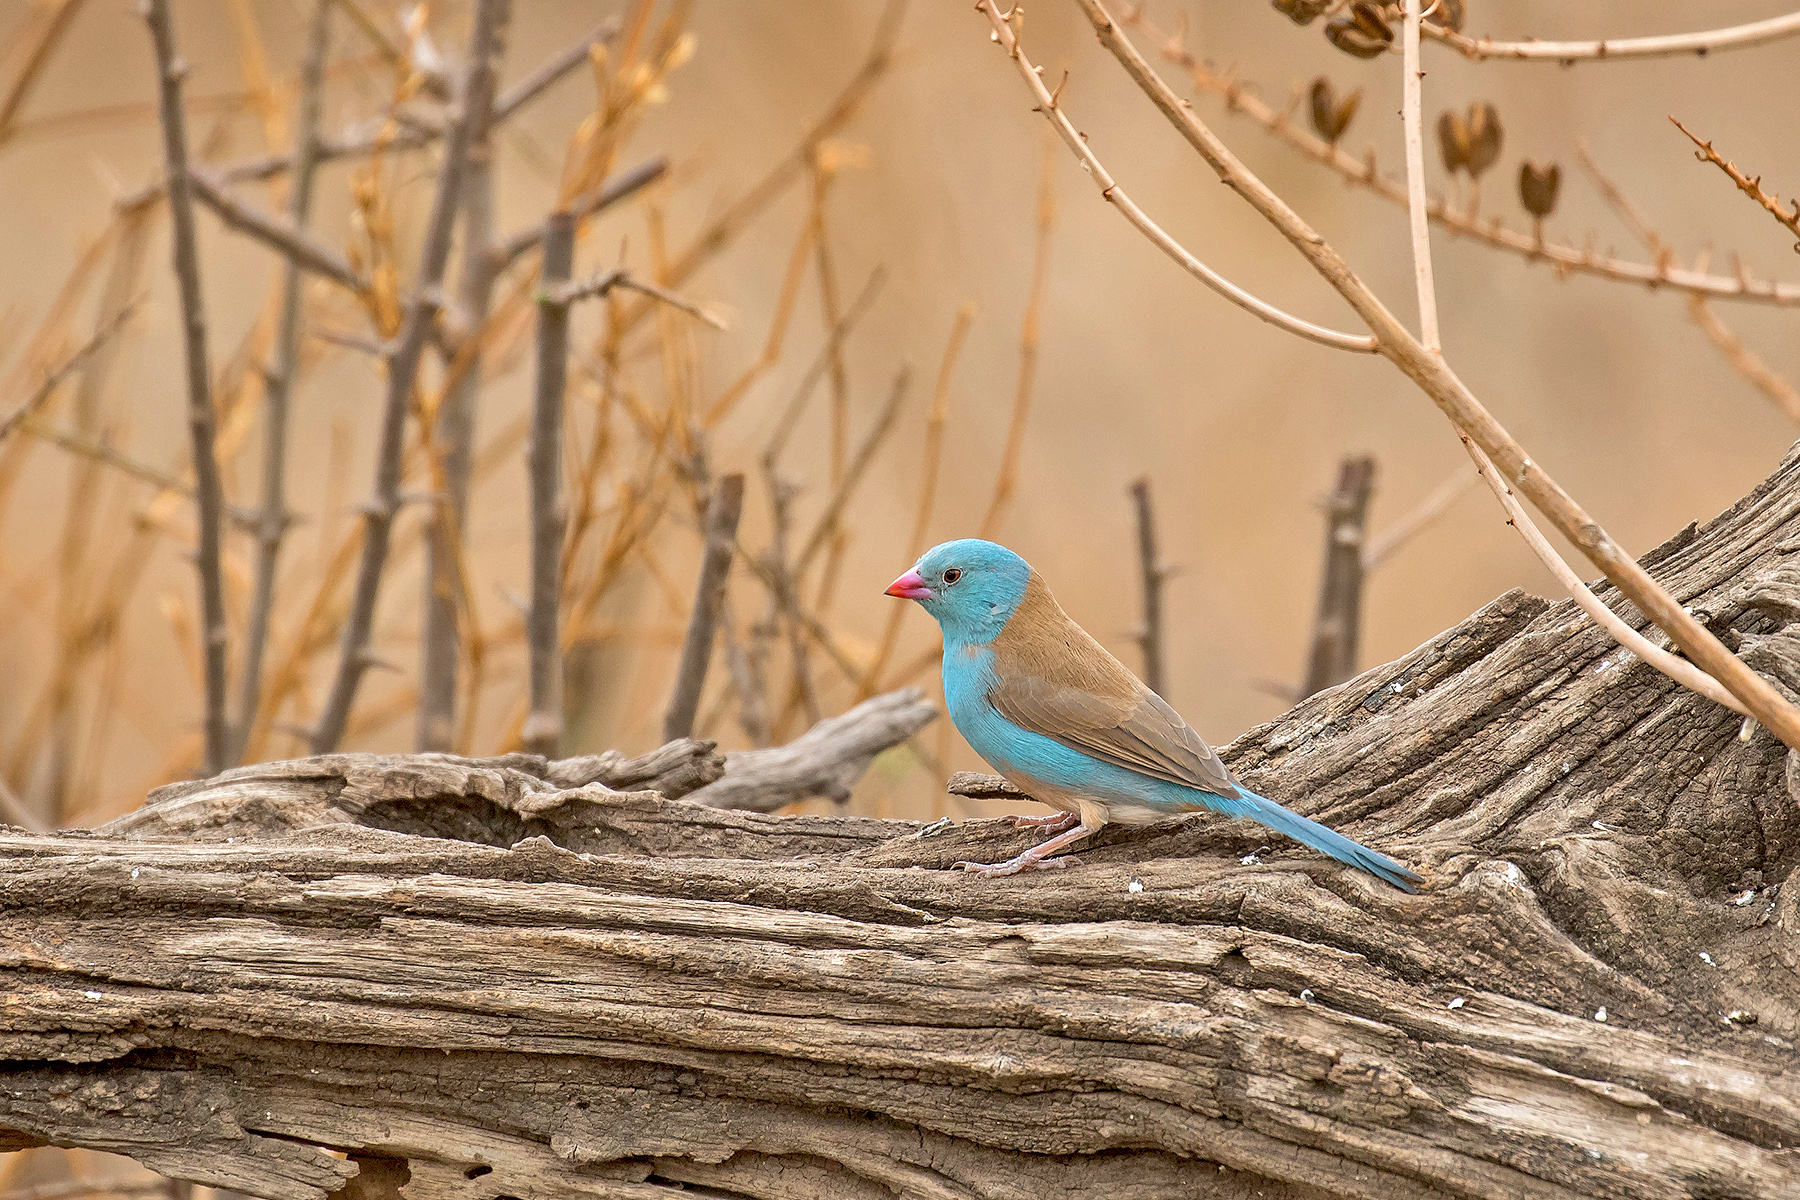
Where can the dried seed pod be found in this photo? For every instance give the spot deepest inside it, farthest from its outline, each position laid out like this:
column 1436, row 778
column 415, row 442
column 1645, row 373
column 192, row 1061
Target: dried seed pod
column 1353, row 34
column 1537, row 188
column 1450, row 15
column 1485, row 135
column 1453, row 141
column 1371, row 20
column 1331, row 116
column 1301, row 12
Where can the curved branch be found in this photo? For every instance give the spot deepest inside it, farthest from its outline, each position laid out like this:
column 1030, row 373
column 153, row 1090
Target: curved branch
column 1047, row 104
column 1458, row 404
column 1735, row 37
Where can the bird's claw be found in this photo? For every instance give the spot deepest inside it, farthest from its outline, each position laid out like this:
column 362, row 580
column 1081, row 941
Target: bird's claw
column 1013, row 866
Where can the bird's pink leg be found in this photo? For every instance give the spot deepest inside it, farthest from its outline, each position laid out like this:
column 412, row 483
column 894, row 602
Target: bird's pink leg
column 1054, row 823
column 1036, row 857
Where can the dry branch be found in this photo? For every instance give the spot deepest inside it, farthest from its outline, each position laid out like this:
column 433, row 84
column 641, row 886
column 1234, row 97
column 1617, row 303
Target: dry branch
column 1750, row 187
column 1453, row 398
column 1152, row 574
column 1703, row 42
column 1073, row 138
column 445, row 622
column 1337, row 628
column 486, row 41
column 722, row 513
column 209, row 499
column 1240, row 97
column 559, row 990
column 287, row 238
column 549, row 518
column 826, row 760
column 1781, row 393
column 613, row 191
column 284, row 370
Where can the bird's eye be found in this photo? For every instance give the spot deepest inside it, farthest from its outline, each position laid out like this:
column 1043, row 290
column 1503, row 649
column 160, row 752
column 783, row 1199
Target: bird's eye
column 951, row 576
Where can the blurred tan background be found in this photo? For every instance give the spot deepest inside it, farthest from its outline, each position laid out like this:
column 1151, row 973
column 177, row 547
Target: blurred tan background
column 1142, row 370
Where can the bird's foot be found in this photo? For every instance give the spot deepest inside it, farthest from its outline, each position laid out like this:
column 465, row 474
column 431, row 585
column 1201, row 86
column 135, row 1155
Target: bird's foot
column 1054, row 823
column 1012, row 866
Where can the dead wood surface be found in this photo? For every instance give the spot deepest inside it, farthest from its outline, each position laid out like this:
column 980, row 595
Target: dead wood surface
column 583, row 992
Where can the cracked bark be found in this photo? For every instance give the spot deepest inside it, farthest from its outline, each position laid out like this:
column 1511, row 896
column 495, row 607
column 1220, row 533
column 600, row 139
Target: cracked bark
column 573, row 991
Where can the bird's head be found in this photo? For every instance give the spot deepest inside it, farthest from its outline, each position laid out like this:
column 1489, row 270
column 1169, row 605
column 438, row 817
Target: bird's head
column 970, row 586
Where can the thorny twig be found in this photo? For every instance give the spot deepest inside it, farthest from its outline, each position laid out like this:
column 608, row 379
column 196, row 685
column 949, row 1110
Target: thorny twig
column 209, row 500
column 403, row 365
column 1750, row 187
column 285, row 367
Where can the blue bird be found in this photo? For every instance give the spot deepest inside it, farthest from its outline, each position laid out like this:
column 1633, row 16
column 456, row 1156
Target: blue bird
column 1065, row 722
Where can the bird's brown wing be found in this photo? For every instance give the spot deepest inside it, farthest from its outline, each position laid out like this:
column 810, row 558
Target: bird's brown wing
column 1052, row 678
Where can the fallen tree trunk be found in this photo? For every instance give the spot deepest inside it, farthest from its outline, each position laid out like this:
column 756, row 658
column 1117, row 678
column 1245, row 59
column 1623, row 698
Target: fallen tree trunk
column 623, row 995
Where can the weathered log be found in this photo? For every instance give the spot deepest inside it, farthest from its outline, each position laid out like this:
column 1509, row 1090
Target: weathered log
column 1595, row 996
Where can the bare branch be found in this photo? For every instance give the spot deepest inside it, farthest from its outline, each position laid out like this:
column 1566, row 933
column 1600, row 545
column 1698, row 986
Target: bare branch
column 1459, row 405
column 1413, row 122
column 209, row 499
column 1735, row 37
column 1115, row 195
column 1240, row 97
column 564, row 294
column 1741, row 358
column 549, row 517
column 552, row 69
column 286, row 366
column 1680, row 670
column 1338, row 626
column 1152, row 574
column 1750, row 187
column 1745, row 361
column 403, row 365
column 377, row 135
column 722, row 514
column 285, row 237
column 449, row 611
column 620, row 187
column 826, row 760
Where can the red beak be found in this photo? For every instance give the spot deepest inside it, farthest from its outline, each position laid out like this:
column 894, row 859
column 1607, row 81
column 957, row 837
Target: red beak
column 910, row 586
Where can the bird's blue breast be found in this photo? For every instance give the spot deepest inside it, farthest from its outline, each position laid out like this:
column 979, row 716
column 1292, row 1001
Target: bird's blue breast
column 1023, row 755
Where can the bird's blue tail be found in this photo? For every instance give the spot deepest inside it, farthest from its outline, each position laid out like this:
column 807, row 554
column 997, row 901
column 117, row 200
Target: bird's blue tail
column 1325, row 841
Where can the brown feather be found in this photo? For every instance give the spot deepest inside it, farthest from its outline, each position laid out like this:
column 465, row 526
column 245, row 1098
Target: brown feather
column 1053, row 678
